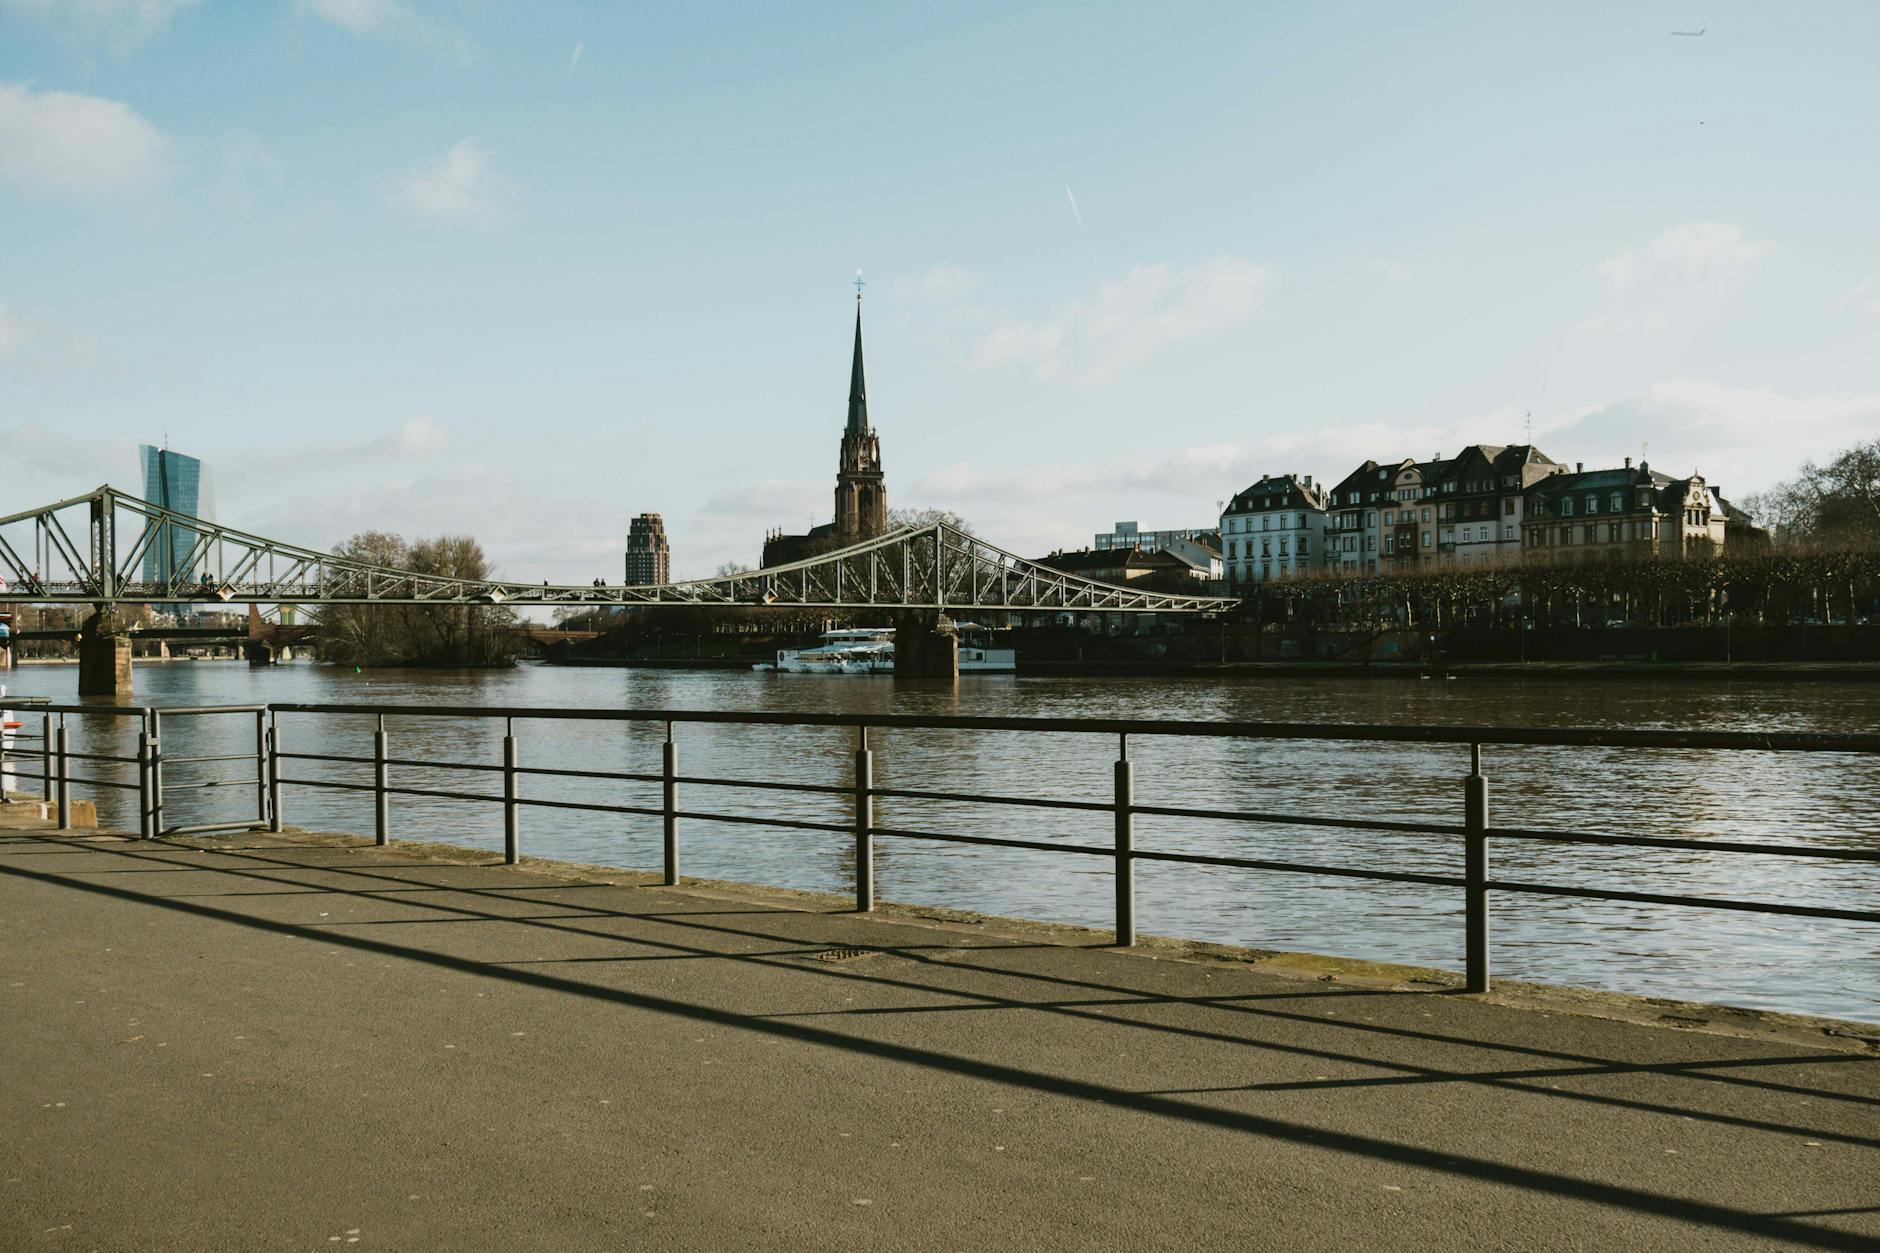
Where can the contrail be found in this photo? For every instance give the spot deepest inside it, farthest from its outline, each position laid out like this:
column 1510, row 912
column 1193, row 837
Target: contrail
column 576, row 57
column 1085, row 232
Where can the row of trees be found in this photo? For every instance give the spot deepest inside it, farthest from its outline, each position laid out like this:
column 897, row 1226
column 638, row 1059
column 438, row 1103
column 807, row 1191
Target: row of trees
column 1773, row 588
column 418, row 635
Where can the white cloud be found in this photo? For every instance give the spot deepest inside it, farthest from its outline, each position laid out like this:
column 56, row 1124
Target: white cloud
column 1691, row 253
column 944, row 284
column 62, row 142
column 1865, row 295
column 1740, row 438
column 457, row 185
column 575, row 57
column 120, row 25
column 389, row 19
column 1090, row 341
column 1743, row 438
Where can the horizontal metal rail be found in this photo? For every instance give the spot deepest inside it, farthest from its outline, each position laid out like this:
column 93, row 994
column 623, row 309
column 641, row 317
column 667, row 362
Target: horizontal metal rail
column 1699, row 846
column 1586, row 737
column 1701, row 902
column 122, row 787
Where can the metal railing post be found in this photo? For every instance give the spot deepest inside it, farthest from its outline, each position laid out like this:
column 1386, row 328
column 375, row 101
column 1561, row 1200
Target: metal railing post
column 145, row 746
column 864, row 823
column 274, row 773
column 156, row 774
column 669, row 806
column 381, row 807
column 1125, row 847
column 1475, row 870
column 65, row 775
column 45, row 756
column 261, row 769
column 512, row 841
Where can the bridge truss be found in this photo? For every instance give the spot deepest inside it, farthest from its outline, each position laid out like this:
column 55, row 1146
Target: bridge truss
column 108, row 547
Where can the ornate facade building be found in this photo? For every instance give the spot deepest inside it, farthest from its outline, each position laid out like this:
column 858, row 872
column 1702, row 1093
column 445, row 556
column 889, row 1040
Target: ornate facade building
column 861, row 490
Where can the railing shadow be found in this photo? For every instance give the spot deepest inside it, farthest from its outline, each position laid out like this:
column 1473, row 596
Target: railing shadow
column 971, row 973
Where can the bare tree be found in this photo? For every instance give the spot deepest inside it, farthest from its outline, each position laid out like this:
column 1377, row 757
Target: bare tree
column 418, row 635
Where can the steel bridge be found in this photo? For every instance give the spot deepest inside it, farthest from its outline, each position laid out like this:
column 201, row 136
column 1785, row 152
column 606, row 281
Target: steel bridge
column 101, row 548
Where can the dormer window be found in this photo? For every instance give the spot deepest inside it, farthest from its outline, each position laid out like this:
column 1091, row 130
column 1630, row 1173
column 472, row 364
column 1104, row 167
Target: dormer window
column 1592, row 502
column 1566, row 506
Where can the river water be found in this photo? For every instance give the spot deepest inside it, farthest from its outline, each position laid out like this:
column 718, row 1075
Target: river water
column 1795, row 964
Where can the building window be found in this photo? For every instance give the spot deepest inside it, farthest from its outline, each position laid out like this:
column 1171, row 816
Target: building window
column 1592, row 503
column 1231, row 554
column 1302, row 545
column 1617, row 502
column 1388, row 541
column 1426, row 539
column 1566, row 506
column 1507, row 507
column 1613, row 532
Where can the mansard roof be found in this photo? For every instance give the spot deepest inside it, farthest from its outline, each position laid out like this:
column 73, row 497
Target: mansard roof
column 1279, row 491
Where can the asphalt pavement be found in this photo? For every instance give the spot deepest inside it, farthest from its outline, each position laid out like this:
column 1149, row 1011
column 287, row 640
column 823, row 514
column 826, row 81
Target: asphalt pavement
column 285, row 1043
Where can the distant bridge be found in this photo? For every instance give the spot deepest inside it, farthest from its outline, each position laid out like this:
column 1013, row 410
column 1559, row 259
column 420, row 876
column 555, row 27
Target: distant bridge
column 90, row 550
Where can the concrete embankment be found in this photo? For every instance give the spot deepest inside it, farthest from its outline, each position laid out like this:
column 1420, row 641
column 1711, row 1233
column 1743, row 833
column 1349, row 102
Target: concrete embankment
column 296, row 1041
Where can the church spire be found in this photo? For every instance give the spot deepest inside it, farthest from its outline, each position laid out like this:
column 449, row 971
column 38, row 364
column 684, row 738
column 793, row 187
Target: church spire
column 858, row 387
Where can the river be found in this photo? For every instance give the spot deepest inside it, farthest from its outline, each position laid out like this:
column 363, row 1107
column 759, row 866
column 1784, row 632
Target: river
column 1794, row 964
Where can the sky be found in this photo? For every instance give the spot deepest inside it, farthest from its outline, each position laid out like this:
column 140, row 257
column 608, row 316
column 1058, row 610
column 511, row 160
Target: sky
column 523, row 270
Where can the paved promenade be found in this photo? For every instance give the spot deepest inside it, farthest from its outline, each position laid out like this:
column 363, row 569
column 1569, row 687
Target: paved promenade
column 286, row 1044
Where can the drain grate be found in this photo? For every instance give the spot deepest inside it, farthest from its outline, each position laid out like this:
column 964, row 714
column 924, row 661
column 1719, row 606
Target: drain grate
column 843, row 954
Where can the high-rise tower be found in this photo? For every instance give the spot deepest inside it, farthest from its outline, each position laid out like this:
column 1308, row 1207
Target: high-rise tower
column 180, row 484
column 649, row 556
column 861, row 493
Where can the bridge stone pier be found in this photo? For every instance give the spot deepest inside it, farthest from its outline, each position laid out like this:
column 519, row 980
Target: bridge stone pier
column 925, row 646
column 104, row 656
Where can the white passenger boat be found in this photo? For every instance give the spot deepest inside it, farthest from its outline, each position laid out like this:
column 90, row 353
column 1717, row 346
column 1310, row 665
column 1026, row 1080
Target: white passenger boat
column 870, row 650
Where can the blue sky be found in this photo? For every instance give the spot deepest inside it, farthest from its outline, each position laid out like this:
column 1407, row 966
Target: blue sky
column 523, row 270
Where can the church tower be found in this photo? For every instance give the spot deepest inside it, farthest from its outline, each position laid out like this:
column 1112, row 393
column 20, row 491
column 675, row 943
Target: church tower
column 861, row 493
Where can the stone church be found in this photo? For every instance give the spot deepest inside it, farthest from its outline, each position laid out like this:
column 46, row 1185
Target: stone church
column 861, row 491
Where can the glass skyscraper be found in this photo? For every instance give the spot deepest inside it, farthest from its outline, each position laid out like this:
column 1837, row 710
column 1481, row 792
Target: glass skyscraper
column 181, row 485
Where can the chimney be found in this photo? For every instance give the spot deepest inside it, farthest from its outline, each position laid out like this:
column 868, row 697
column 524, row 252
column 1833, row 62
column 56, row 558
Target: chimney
column 1308, row 480
column 1628, row 463
column 1579, row 467
column 1437, row 457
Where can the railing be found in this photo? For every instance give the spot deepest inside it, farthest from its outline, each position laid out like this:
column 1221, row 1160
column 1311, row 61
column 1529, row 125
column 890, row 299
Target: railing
column 152, row 765
column 1118, row 813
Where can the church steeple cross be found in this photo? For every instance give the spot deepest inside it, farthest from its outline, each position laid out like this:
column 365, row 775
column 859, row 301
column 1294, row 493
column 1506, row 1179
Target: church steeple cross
column 859, row 284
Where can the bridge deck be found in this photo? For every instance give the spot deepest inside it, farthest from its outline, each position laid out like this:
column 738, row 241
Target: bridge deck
column 288, row 1043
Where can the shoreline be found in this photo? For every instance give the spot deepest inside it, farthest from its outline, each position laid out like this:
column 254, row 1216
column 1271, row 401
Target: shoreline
column 1811, row 671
